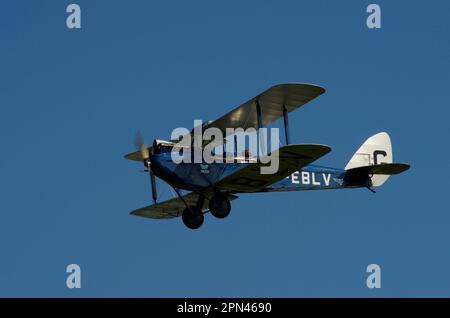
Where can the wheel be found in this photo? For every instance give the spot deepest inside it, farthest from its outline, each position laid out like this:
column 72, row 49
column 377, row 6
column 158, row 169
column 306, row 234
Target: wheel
column 193, row 219
column 219, row 206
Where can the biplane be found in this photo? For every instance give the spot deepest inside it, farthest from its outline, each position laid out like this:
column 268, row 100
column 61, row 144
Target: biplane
column 212, row 187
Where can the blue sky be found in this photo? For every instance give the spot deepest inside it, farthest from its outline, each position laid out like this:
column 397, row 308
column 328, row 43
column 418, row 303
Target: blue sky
column 72, row 100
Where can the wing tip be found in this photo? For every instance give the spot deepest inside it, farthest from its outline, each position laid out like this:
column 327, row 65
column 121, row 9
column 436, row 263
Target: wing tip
column 403, row 166
column 320, row 88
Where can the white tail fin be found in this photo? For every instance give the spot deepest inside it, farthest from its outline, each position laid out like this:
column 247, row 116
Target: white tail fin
column 375, row 150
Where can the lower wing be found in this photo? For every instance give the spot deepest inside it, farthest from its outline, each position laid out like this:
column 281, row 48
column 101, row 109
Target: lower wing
column 172, row 208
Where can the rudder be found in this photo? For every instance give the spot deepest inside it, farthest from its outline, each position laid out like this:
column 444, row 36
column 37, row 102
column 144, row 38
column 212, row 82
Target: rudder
column 375, row 150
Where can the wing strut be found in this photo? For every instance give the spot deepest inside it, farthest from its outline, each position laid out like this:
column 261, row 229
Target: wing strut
column 181, row 197
column 286, row 125
column 200, row 201
column 262, row 151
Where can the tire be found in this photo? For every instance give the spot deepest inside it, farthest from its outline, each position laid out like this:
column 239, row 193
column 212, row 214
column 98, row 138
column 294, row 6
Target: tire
column 219, row 206
column 193, row 219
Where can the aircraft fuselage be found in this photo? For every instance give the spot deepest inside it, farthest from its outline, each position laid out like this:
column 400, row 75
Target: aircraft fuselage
column 197, row 176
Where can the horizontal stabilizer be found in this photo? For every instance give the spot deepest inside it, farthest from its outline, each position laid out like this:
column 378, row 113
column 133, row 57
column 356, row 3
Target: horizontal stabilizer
column 364, row 176
column 382, row 168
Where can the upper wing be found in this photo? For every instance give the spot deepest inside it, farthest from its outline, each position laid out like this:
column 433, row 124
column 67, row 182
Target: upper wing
column 271, row 101
column 292, row 96
column 291, row 158
column 172, row 208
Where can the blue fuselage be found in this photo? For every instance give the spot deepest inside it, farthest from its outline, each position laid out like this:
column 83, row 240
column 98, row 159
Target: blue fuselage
column 196, row 176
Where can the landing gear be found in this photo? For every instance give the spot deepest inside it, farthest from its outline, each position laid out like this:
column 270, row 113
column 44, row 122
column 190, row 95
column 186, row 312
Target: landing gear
column 193, row 217
column 219, row 206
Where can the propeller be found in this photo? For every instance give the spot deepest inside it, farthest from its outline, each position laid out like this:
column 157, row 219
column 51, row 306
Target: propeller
column 146, row 158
